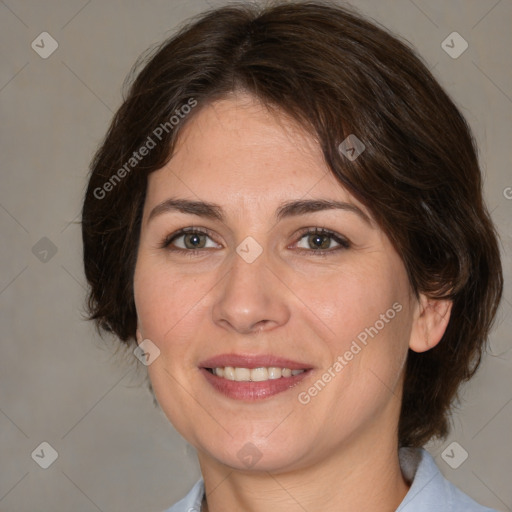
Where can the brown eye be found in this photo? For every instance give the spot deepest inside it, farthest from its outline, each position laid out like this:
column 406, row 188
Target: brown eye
column 194, row 240
column 321, row 240
column 189, row 240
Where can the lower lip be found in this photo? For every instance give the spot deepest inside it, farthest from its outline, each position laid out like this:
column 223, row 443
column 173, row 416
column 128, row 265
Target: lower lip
column 248, row 390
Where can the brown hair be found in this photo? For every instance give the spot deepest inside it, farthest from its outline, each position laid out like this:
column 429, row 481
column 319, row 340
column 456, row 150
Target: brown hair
column 336, row 74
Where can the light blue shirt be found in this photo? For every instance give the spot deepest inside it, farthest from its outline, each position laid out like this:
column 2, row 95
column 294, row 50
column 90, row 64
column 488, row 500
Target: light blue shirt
column 429, row 491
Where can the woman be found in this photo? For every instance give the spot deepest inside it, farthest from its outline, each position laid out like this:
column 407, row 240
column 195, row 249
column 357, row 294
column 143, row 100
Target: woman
column 286, row 217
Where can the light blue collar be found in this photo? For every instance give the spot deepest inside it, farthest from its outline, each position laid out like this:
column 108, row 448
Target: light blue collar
column 429, row 490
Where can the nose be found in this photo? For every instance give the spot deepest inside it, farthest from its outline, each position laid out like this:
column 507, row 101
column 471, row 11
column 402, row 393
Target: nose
column 250, row 298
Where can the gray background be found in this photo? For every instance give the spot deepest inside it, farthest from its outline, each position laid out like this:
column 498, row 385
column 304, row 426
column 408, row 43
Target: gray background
column 60, row 382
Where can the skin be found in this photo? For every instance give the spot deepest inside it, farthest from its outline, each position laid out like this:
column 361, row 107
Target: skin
column 339, row 451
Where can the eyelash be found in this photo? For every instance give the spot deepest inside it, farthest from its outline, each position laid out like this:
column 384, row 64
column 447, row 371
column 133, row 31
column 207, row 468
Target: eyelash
column 343, row 242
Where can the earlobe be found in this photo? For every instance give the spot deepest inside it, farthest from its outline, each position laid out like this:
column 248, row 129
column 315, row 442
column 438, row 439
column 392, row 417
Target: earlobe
column 430, row 322
column 138, row 336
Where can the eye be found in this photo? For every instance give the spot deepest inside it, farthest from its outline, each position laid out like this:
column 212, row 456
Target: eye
column 321, row 240
column 313, row 240
column 189, row 240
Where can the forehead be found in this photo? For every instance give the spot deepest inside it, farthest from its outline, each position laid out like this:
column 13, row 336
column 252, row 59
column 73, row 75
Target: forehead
column 236, row 152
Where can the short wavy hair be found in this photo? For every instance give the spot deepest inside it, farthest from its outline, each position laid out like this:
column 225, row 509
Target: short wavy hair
column 335, row 73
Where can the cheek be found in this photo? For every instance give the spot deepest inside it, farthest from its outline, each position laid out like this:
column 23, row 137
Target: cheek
column 350, row 303
column 166, row 302
column 167, row 309
column 369, row 323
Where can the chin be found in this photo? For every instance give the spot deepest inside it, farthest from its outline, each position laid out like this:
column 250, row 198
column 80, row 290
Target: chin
column 257, row 453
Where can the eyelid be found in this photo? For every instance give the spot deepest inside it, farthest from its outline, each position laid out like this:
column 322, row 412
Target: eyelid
column 166, row 242
column 343, row 243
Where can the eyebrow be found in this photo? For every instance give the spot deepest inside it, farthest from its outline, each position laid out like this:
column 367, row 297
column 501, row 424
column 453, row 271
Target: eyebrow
column 288, row 209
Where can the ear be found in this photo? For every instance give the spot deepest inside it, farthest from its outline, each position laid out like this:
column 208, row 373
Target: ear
column 138, row 336
column 431, row 318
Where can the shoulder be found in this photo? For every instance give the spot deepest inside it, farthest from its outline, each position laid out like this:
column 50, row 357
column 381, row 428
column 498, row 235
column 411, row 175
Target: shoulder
column 429, row 489
column 192, row 501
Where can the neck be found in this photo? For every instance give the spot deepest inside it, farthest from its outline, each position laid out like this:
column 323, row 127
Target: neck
column 358, row 476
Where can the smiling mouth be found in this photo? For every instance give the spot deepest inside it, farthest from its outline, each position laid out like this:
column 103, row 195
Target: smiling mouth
column 249, row 377
column 261, row 374
column 249, row 384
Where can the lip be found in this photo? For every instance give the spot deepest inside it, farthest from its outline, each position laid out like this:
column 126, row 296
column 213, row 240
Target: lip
column 248, row 390
column 252, row 361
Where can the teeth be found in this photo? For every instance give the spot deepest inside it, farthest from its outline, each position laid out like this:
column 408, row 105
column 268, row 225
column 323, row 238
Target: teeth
column 229, row 373
column 242, row 374
column 254, row 374
column 259, row 374
column 274, row 373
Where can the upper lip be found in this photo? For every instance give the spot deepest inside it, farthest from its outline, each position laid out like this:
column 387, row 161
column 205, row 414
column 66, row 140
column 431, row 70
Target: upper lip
column 252, row 361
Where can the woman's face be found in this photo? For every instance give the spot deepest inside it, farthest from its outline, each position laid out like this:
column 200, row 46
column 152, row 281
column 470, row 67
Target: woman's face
column 255, row 286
